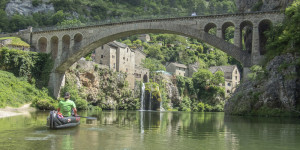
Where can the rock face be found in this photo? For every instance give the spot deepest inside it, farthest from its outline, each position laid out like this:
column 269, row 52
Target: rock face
column 25, row 7
column 279, row 90
column 101, row 86
column 261, row 5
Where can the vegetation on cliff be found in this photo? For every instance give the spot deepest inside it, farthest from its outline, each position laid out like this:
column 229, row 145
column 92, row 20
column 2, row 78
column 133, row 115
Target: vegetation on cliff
column 274, row 87
column 89, row 10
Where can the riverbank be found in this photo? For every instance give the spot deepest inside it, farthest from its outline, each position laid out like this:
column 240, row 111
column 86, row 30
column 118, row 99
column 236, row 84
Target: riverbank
column 9, row 111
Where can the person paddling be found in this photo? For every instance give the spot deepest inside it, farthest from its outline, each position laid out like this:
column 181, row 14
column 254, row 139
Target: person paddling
column 66, row 106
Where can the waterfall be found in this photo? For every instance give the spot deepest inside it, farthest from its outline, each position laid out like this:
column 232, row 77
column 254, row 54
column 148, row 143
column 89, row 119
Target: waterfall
column 161, row 108
column 143, row 97
column 150, row 99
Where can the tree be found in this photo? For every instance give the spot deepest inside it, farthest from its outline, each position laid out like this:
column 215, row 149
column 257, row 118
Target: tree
column 153, row 64
column 285, row 38
column 3, row 21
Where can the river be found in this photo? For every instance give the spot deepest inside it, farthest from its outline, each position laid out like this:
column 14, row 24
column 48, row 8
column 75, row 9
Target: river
column 153, row 130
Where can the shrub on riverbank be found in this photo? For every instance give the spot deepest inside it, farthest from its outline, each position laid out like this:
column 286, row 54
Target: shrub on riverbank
column 15, row 91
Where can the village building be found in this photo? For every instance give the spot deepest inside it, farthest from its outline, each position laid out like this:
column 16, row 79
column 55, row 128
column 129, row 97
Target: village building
column 231, row 75
column 119, row 57
column 177, row 69
column 144, row 37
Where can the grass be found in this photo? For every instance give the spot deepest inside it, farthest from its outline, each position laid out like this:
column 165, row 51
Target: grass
column 16, row 91
column 16, row 41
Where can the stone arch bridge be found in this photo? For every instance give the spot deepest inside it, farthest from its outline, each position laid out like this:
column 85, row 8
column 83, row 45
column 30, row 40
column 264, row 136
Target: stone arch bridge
column 68, row 45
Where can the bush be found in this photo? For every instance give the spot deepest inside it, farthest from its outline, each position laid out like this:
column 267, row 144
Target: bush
column 45, row 104
column 81, row 104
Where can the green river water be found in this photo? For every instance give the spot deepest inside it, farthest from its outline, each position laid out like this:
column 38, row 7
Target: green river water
column 151, row 130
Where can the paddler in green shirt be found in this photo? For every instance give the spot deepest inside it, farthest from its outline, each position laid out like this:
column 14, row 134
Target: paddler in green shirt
column 65, row 106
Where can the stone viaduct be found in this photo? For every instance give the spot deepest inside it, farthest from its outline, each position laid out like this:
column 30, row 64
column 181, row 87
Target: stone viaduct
column 68, row 45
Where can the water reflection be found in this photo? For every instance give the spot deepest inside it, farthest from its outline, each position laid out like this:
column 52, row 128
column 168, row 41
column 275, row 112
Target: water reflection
column 151, row 130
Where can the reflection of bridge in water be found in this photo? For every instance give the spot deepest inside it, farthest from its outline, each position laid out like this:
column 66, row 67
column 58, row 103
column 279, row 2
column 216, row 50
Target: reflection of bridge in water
column 68, row 45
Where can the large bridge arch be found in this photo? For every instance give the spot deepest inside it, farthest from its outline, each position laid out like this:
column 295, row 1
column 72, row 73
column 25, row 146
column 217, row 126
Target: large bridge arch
column 72, row 46
column 128, row 30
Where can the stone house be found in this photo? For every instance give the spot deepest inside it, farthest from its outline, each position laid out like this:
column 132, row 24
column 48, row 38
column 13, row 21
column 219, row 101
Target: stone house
column 192, row 68
column 177, row 69
column 231, row 75
column 144, row 37
column 119, row 57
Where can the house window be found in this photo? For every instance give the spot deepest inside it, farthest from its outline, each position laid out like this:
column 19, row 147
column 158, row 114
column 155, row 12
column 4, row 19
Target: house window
column 236, row 72
column 228, row 91
column 113, row 56
column 127, row 59
column 123, row 58
column 127, row 50
column 114, row 65
column 228, row 84
column 101, row 56
column 235, row 77
column 126, row 69
column 100, row 61
column 102, row 47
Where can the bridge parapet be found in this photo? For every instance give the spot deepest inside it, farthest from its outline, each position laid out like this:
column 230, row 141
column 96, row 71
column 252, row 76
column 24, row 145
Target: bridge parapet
column 68, row 45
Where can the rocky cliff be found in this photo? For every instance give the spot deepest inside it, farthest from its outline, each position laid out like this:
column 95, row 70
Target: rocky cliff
column 101, row 86
column 276, row 94
column 27, row 7
column 261, row 5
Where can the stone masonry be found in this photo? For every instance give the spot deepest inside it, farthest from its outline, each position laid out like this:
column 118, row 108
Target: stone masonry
column 69, row 45
column 119, row 57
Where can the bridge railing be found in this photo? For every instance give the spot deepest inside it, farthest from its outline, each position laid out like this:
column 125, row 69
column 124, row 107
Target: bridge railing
column 110, row 21
column 134, row 18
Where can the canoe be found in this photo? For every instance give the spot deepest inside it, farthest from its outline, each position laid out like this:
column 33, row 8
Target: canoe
column 54, row 121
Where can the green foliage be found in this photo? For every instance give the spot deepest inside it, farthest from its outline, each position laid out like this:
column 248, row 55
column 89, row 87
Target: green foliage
column 16, row 41
column 32, row 65
column 285, row 38
column 90, row 10
column 16, row 91
column 207, row 85
column 81, row 104
column 153, row 65
column 185, row 105
column 257, row 6
column 257, row 73
column 35, row 3
column 185, row 86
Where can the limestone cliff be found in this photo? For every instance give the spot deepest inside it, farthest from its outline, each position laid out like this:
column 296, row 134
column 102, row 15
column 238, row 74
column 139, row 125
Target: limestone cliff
column 101, row 86
column 275, row 94
column 261, row 5
column 27, row 7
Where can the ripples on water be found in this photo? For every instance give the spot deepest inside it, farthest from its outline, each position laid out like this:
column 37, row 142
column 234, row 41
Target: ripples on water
column 128, row 130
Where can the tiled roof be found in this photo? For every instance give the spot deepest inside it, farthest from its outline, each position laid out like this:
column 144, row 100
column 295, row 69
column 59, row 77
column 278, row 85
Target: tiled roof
column 117, row 44
column 226, row 69
column 179, row 65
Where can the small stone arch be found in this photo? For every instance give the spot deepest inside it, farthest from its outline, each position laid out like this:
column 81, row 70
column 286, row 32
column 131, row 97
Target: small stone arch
column 77, row 41
column 145, row 78
column 42, row 44
column 66, row 41
column 263, row 26
column 54, row 46
column 209, row 26
column 225, row 27
column 246, row 29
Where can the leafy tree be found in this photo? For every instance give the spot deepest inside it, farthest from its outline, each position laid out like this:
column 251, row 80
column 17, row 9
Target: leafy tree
column 153, row 64
column 285, row 38
column 3, row 21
